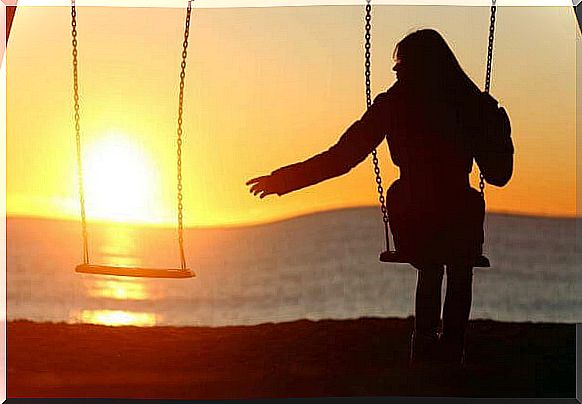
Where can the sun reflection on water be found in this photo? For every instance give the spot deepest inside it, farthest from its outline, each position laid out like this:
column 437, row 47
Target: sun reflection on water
column 119, row 289
column 119, row 245
column 118, row 318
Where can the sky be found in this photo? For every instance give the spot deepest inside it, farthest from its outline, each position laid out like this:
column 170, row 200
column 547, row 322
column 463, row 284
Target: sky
column 265, row 87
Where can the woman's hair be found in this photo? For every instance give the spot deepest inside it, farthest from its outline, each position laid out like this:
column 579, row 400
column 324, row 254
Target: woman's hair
column 428, row 60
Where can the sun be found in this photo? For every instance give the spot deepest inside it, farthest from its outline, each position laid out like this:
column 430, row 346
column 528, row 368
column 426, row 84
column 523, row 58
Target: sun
column 120, row 181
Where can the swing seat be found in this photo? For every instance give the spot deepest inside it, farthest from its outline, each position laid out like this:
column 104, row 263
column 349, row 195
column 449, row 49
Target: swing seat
column 394, row 257
column 174, row 273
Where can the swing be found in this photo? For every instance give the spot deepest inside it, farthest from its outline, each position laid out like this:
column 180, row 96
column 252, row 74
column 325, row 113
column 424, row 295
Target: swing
column 393, row 256
column 86, row 267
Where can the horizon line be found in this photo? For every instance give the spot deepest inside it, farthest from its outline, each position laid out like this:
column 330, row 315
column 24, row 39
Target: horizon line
column 266, row 222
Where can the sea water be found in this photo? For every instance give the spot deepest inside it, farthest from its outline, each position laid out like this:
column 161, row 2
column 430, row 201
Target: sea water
column 323, row 265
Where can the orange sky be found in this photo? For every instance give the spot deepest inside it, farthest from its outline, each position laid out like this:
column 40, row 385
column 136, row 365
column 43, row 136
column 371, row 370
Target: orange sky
column 265, row 87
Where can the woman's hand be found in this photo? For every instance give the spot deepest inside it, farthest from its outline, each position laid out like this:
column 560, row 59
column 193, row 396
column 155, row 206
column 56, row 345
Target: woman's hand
column 263, row 186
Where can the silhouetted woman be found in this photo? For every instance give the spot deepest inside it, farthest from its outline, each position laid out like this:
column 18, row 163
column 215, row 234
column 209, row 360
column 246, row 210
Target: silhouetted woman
column 436, row 121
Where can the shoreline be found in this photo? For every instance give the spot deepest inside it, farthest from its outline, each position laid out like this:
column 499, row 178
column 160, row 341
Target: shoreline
column 303, row 358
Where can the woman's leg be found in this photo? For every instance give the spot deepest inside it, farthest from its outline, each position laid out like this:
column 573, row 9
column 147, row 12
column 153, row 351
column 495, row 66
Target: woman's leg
column 427, row 312
column 456, row 309
column 428, row 299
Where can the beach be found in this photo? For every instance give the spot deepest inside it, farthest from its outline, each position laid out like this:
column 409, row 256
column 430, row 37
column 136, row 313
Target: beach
column 297, row 308
column 303, row 358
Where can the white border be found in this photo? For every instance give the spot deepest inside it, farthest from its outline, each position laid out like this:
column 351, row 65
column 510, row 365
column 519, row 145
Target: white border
column 3, row 359
column 198, row 4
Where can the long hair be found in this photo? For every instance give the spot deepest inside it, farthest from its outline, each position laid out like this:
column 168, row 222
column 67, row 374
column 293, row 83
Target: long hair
column 430, row 63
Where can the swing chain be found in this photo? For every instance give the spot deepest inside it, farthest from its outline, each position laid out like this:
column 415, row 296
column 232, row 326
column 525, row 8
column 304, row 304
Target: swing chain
column 367, row 53
column 367, row 47
column 488, row 73
column 490, row 47
column 78, row 133
column 179, row 140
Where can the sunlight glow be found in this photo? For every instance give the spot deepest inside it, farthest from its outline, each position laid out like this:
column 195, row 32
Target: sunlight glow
column 119, row 246
column 119, row 290
column 118, row 318
column 120, row 182
column 246, row 121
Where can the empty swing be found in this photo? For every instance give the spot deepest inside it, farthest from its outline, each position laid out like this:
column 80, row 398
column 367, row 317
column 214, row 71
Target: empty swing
column 390, row 255
column 86, row 266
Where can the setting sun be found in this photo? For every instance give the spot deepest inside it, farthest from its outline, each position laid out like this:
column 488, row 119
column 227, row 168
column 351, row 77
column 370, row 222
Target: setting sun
column 120, row 180
column 246, row 121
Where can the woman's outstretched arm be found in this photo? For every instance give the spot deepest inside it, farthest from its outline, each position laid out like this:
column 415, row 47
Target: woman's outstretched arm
column 353, row 147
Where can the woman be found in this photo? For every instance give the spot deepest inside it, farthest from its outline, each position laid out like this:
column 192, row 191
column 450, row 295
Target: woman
column 436, row 121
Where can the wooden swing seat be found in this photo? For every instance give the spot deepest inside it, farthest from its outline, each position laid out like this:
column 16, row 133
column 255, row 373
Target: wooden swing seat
column 394, row 257
column 173, row 273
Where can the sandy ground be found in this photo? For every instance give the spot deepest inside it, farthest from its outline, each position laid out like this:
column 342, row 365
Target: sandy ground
column 365, row 357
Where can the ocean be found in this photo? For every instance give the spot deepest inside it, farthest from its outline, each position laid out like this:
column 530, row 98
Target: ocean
column 318, row 266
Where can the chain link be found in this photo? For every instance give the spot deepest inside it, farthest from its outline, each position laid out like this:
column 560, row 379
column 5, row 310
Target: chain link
column 78, row 133
column 179, row 140
column 488, row 74
column 367, row 65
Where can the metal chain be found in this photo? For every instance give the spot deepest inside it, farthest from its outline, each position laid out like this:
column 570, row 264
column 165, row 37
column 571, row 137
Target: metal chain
column 179, row 140
column 78, row 133
column 367, row 64
column 488, row 74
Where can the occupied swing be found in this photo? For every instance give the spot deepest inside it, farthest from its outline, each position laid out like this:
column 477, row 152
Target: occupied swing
column 86, row 266
column 394, row 256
